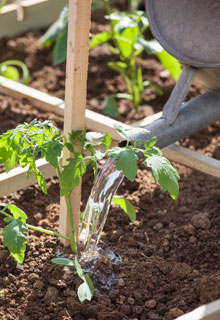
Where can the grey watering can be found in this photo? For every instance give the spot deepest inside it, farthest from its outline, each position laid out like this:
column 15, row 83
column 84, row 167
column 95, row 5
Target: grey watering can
column 190, row 31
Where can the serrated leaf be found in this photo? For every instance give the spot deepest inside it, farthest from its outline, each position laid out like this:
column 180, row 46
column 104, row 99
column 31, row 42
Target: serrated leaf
column 71, row 175
column 92, row 136
column 110, row 107
column 40, row 180
column 63, row 262
column 126, row 206
column 150, row 143
column 100, row 38
column 53, row 152
column 107, row 140
column 17, row 213
column 129, row 132
column 15, row 240
column 165, row 174
column 126, row 161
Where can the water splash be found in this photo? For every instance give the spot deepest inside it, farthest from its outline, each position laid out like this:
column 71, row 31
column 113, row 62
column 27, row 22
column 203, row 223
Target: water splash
column 96, row 211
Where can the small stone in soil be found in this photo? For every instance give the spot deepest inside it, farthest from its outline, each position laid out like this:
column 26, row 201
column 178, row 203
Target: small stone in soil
column 151, row 304
column 201, row 221
column 121, row 283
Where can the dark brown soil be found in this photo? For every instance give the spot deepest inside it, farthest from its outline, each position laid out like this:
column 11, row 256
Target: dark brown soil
column 169, row 257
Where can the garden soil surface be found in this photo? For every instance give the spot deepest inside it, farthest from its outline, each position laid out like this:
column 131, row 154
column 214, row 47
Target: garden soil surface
column 169, row 259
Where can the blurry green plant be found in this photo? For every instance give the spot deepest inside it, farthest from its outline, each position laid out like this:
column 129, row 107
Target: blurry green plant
column 3, row 3
column 57, row 33
column 126, row 40
column 9, row 71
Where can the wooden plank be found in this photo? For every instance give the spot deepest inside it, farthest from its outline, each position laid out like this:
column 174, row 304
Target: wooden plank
column 37, row 14
column 46, row 102
column 210, row 311
column 102, row 123
column 75, row 93
column 192, row 159
column 16, row 179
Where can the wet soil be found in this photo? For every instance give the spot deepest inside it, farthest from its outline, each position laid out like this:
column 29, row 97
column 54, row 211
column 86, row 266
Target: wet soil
column 169, row 258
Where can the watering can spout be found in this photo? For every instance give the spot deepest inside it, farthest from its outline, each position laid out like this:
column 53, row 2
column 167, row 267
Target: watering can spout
column 193, row 116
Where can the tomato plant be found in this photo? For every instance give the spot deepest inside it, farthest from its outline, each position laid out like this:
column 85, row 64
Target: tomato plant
column 27, row 142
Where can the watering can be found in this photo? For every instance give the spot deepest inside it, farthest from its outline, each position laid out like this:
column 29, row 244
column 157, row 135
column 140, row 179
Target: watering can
column 190, row 31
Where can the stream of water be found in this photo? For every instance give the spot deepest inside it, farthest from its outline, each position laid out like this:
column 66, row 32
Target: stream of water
column 105, row 186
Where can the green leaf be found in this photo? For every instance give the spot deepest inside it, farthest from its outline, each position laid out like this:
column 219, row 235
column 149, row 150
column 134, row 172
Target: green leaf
column 126, row 41
column 107, row 140
column 100, row 38
column 55, row 28
column 60, row 49
column 10, row 73
column 126, row 161
column 71, row 175
column 15, row 240
column 129, row 132
column 63, row 262
column 52, row 152
column 126, row 206
column 164, row 173
column 86, row 289
column 17, row 213
column 170, row 63
column 110, row 107
column 93, row 136
column 150, row 46
column 40, row 180
column 118, row 66
column 150, row 143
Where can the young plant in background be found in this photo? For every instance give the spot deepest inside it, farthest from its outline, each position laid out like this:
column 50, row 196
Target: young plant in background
column 9, row 71
column 127, row 37
column 126, row 40
column 24, row 144
column 57, row 33
column 3, row 3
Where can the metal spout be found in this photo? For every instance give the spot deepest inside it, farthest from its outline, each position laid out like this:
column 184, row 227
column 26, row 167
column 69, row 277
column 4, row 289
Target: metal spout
column 195, row 115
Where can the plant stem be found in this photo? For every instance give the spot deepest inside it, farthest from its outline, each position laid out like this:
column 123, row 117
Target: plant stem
column 52, row 233
column 72, row 239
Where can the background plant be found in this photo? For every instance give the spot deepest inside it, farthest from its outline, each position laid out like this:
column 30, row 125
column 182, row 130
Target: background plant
column 8, row 70
column 126, row 40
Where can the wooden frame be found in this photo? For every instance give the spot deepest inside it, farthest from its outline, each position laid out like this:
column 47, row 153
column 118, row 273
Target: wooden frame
column 18, row 18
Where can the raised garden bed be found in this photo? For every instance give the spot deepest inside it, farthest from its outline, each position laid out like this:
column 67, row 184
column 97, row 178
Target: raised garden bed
column 168, row 258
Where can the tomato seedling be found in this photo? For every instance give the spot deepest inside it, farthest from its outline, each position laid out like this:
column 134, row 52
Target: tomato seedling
column 24, row 144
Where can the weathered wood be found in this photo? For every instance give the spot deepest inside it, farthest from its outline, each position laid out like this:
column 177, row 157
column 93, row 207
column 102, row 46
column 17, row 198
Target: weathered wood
column 192, row 159
column 101, row 123
column 16, row 179
column 210, row 311
column 75, row 93
column 36, row 14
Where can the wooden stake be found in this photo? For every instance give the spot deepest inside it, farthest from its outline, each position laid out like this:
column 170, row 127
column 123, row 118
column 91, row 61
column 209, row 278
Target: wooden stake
column 75, row 92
